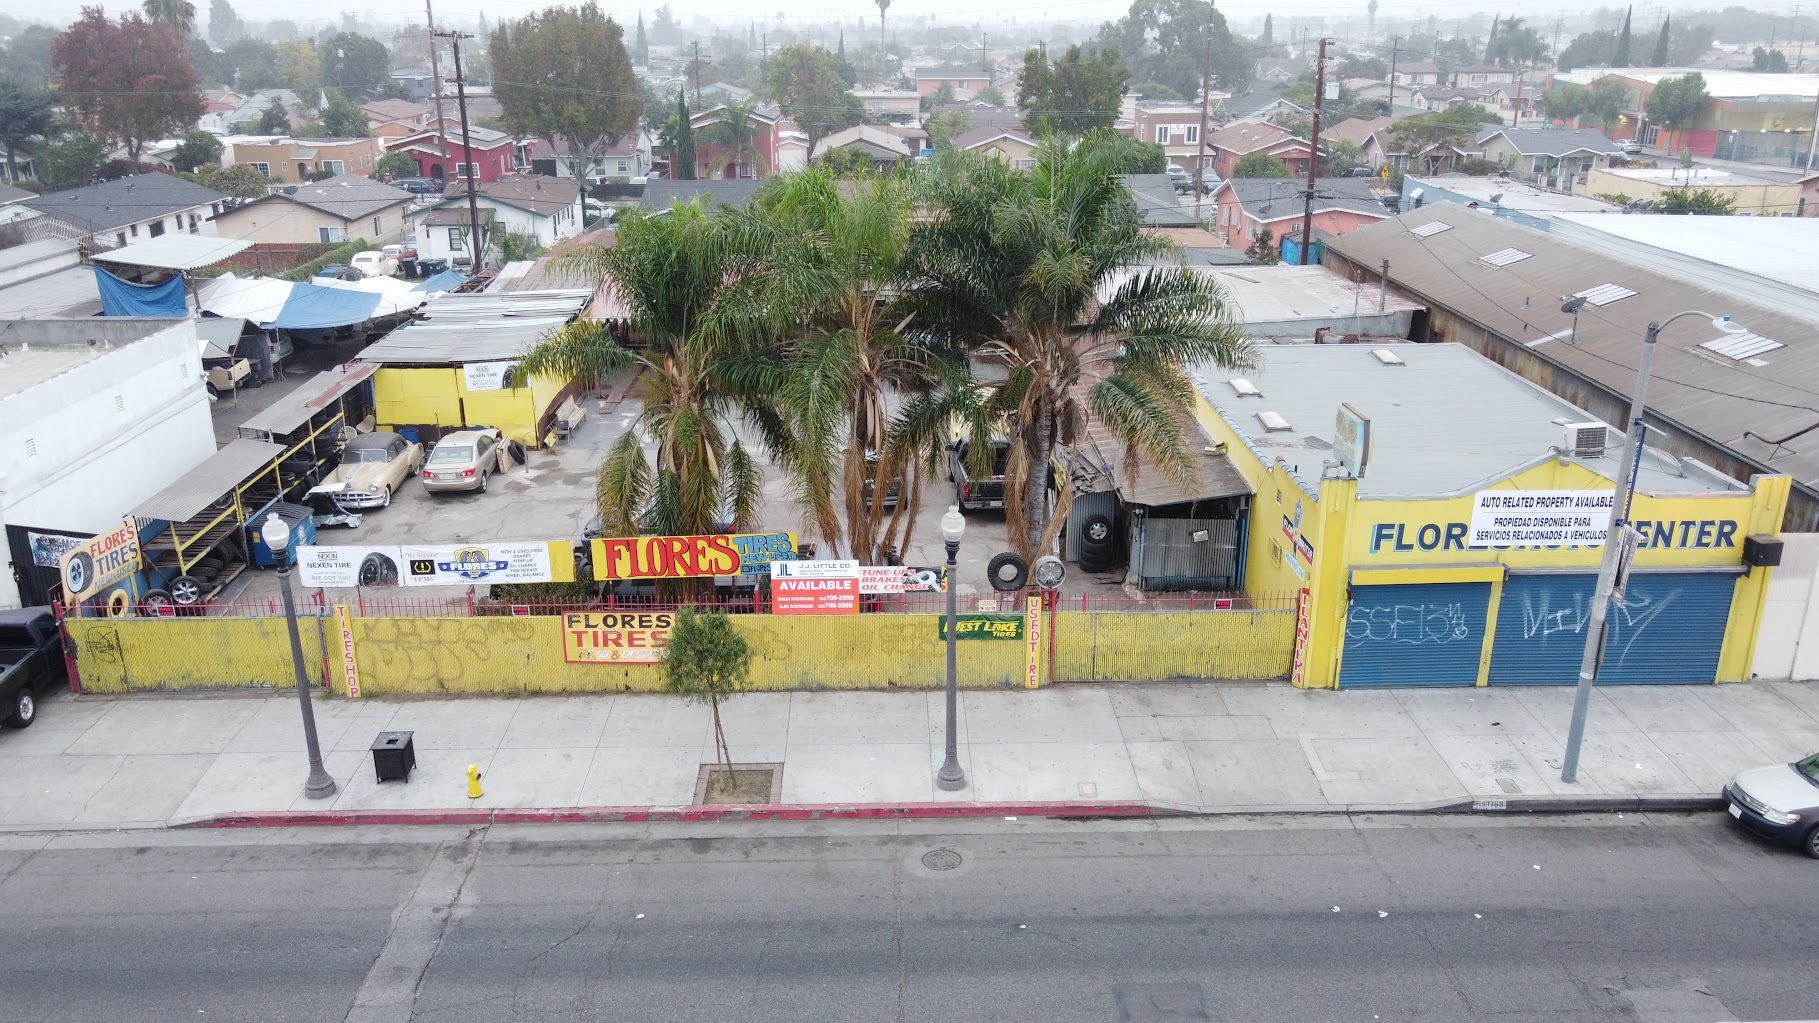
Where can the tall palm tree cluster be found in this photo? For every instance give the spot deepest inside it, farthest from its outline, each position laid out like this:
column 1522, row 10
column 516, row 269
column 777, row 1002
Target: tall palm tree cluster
column 859, row 327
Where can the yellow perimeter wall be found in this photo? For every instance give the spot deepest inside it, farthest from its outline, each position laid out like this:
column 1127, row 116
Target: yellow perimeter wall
column 439, row 396
column 431, row 656
column 1386, row 538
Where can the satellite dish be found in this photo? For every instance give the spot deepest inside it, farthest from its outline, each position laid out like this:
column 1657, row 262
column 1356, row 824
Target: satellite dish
column 290, row 189
column 1573, row 305
column 1496, row 197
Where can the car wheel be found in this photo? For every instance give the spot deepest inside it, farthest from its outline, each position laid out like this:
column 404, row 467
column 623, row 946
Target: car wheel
column 1812, row 843
column 153, row 603
column 483, row 478
column 385, row 499
column 25, row 708
column 1008, row 572
column 186, row 591
column 1097, row 530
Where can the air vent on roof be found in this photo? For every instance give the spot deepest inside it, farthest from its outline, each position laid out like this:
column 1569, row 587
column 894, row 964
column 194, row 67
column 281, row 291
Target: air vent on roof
column 1742, row 346
column 119, row 403
column 1586, row 440
column 1273, row 422
column 1430, row 229
column 1504, row 257
column 1387, row 357
column 1245, row 388
column 31, row 447
column 1604, row 294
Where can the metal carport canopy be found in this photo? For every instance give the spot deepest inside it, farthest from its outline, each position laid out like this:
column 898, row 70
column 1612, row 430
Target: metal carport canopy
column 202, row 486
column 316, row 394
column 175, row 252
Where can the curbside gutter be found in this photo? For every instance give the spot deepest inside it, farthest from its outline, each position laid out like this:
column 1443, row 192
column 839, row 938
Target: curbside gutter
column 476, row 816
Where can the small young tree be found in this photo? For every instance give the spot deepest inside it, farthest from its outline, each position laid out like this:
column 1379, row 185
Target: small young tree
column 395, row 165
column 707, row 660
column 198, row 149
column 1260, row 165
column 274, row 121
column 1264, row 251
column 1706, row 202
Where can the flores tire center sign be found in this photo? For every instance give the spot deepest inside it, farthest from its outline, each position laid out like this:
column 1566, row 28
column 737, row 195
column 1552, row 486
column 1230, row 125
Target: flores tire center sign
column 616, row 637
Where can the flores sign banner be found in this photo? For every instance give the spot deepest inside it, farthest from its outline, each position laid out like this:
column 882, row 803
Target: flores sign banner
column 1503, row 518
column 457, row 565
column 94, row 564
column 610, row 637
column 690, row 557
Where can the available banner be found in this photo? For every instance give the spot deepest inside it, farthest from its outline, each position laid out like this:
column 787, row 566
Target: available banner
column 815, row 588
column 983, row 625
column 475, row 563
column 690, row 557
column 613, row 637
column 98, row 562
column 1504, row 518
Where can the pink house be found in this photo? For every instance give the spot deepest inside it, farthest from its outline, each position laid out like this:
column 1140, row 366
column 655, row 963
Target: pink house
column 1248, row 205
column 484, row 154
column 765, row 137
column 964, row 83
column 1240, row 139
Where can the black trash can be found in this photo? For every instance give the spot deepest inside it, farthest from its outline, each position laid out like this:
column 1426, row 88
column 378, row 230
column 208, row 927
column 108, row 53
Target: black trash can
column 394, row 754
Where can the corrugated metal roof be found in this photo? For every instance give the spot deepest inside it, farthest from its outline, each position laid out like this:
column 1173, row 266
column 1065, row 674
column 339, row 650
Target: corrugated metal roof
column 1705, row 395
column 316, row 394
column 204, row 485
column 477, row 328
column 1147, row 485
column 176, row 252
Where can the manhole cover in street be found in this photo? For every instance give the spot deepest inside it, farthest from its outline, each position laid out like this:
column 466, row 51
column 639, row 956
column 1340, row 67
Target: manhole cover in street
column 941, row 859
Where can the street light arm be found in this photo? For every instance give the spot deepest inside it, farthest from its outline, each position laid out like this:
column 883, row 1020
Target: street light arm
column 1723, row 323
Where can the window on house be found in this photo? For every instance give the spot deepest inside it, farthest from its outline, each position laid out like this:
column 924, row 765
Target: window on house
column 133, row 229
column 455, row 241
column 378, row 225
column 1162, row 134
column 1479, row 79
column 1024, row 163
column 157, row 228
column 1193, row 134
column 467, row 170
column 120, row 237
column 622, row 169
column 302, row 170
column 192, row 224
column 334, row 166
column 264, row 169
column 328, row 234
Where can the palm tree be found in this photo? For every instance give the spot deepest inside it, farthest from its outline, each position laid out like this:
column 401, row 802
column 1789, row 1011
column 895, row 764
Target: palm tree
column 178, row 14
column 682, row 273
column 1046, row 274
column 837, row 247
column 737, row 138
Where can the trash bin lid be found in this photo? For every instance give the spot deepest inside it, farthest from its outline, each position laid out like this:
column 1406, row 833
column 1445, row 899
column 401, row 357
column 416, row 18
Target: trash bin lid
column 392, row 740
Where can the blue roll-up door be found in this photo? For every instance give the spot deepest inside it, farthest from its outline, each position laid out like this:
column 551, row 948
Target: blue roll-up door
column 1418, row 635
column 1669, row 631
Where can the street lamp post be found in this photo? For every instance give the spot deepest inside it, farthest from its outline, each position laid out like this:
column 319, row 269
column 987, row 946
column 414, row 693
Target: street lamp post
column 951, row 778
column 1620, row 508
column 277, row 535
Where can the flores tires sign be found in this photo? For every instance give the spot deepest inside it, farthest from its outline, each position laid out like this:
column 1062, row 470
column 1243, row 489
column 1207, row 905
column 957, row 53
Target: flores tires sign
column 608, row 637
column 99, row 562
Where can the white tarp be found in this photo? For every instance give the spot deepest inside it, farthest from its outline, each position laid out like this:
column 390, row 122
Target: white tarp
column 395, row 296
column 259, row 299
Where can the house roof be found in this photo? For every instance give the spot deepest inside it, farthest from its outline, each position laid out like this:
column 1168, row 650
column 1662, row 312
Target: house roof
column 1284, row 197
column 1157, row 205
column 347, row 196
column 980, row 136
column 885, row 143
column 476, row 328
column 123, row 201
column 10, row 195
column 395, row 109
column 1356, row 130
column 715, row 113
column 1719, row 84
column 734, row 192
column 1553, row 141
column 537, row 193
column 1729, row 402
column 1250, row 136
column 484, row 138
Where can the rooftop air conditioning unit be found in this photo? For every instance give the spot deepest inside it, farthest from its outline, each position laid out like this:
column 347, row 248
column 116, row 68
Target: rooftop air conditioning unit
column 1586, row 440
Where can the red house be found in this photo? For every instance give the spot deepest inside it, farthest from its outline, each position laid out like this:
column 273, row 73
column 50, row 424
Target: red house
column 444, row 153
column 1240, row 139
column 713, row 161
column 1248, row 205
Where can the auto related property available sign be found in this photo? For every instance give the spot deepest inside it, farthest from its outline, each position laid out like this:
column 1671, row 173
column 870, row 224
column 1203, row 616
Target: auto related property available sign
column 487, row 376
column 462, row 564
column 1509, row 517
column 100, row 561
column 324, row 566
column 690, row 557
column 983, row 625
column 616, row 637
column 815, row 588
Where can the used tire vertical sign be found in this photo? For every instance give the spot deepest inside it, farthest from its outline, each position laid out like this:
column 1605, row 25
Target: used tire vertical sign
column 350, row 672
column 1032, row 645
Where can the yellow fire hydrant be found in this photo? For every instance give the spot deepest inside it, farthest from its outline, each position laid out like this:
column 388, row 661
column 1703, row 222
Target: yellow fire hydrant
column 473, row 781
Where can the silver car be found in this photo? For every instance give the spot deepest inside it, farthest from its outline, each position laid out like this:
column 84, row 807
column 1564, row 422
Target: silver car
column 1780, row 803
column 463, row 460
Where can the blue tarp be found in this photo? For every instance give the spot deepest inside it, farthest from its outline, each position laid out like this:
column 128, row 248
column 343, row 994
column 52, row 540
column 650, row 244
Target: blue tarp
column 314, row 307
column 124, row 298
column 447, row 280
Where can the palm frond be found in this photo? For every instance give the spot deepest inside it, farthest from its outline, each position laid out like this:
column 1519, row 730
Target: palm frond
column 744, row 487
column 623, row 486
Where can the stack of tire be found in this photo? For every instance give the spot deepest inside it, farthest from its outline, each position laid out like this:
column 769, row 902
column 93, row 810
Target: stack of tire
column 186, row 591
column 1098, row 544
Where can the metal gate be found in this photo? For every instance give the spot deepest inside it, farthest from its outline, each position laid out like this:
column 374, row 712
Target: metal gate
column 1668, row 631
column 1428, row 634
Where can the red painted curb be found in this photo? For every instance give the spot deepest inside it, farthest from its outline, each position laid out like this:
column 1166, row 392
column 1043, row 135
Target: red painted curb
column 647, row 814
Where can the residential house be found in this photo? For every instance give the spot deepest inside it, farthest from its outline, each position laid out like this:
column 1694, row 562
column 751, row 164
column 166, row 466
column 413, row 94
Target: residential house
column 12, row 205
column 1280, row 69
column 1555, row 157
column 1260, row 105
column 138, row 206
column 720, row 92
column 1246, row 206
column 1275, row 110
column 415, row 83
column 293, row 160
column 1015, row 147
column 896, row 104
column 1356, row 130
column 1176, row 128
column 792, row 150
column 1751, row 116
column 1157, row 204
column 1754, row 195
column 963, row 83
column 534, row 205
column 217, row 104
column 253, row 108
column 1426, row 72
column 1384, row 149
column 338, row 209
column 1240, row 139
column 415, row 113
column 629, row 158
column 388, row 132
column 886, row 146
column 712, row 160
column 444, row 152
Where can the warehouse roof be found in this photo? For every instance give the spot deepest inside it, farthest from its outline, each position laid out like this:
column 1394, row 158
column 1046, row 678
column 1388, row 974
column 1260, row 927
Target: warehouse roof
column 1444, row 420
column 1728, row 396
column 1773, row 260
column 476, row 328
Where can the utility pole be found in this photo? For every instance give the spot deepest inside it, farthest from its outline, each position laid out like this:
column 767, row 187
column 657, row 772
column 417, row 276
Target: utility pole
column 467, row 145
column 435, row 71
column 1812, row 143
column 1313, row 161
column 764, row 40
column 1206, row 95
column 697, row 69
column 1395, row 47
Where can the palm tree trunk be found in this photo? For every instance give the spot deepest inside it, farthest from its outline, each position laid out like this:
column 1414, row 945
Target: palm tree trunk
column 1035, row 483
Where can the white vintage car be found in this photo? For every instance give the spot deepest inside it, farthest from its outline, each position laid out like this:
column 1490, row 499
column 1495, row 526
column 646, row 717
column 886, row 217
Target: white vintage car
column 373, row 467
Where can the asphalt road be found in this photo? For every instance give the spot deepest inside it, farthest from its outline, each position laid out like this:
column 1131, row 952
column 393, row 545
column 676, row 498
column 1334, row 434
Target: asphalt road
column 1653, row 919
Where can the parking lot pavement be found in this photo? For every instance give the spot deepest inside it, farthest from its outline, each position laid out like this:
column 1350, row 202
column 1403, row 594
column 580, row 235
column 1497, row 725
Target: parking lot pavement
column 230, row 410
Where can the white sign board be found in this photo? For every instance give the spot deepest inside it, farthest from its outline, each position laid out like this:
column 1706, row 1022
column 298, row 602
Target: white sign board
column 323, row 566
column 1520, row 518
column 486, row 376
column 815, row 570
column 462, row 564
column 1351, row 444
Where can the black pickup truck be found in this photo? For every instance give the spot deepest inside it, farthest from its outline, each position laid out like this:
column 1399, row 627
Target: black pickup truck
column 31, row 660
column 979, row 491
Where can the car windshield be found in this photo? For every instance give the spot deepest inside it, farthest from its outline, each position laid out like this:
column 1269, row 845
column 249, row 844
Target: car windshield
column 1810, row 768
column 367, row 455
column 458, row 453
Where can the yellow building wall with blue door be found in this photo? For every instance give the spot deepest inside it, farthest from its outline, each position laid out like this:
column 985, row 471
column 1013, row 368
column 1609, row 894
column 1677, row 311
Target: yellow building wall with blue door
column 438, row 396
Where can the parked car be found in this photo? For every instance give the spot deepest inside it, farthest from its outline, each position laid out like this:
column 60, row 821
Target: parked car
column 31, row 660
column 1630, row 147
column 1209, row 181
column 983, row 491
column 220, row 375
column 1780, row 803
column 463, row 460
column 401, row 252
column 374, row 263
column 1178, row 176
column 594, row 211
column 373, row 468
column 418, row 186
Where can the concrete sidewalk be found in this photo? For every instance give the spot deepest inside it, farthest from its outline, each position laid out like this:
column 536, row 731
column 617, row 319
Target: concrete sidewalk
column 147, row 761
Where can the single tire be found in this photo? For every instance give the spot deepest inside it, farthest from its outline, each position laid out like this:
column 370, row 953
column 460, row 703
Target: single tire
column 118, row 602
column 186, row 591
column 79, row 574
column 213, row 391
column 1812, row 842
column 1096, row 531
column 24, row 708
column 1092, row 562
column 517, row 451
column 385, row 500
column 1008, row 571
column 483, row 478
column 211, row 562
column 153, row 602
